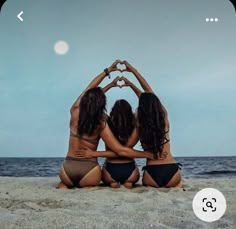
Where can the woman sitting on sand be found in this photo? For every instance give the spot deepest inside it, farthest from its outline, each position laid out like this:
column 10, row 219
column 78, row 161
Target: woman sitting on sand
column 87, row 125
column 121, row 170
column 153, row 131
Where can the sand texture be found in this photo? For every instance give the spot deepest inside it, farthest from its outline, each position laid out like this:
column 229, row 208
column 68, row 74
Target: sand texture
column 36, row 203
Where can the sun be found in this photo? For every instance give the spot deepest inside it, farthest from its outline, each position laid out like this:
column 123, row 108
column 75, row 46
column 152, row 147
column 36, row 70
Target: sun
column 61, row 47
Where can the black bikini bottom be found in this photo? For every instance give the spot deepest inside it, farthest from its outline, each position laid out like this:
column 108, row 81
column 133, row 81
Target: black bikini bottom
column 120, row 172
column 162, row 173
column 76, row 169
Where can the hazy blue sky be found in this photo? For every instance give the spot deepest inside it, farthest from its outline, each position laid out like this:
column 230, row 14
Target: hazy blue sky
column 190, row 63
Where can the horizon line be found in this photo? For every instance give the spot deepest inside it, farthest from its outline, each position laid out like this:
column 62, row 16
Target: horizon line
column 134, row 158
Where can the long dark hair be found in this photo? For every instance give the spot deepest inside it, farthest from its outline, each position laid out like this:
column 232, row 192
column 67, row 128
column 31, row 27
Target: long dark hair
column 151, row 123
column 121, row 121
column 91, row 111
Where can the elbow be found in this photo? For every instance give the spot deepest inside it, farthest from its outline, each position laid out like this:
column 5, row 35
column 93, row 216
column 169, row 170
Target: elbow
column 73, row 108
column 166, row 113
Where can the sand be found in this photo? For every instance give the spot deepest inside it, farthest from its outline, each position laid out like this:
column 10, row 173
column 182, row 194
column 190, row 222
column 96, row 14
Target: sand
column 36, row 203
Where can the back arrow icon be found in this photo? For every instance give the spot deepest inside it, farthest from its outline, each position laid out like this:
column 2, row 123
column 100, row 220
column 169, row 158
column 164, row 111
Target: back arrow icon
column 19, row 16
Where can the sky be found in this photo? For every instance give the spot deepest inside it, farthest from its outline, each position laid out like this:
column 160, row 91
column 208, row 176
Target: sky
column 189, row 63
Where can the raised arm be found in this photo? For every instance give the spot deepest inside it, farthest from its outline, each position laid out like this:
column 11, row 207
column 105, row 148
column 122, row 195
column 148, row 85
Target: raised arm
column 111, row 84
column 95, row 82
column 127, row 83
column 146, row 87
column 129, row 68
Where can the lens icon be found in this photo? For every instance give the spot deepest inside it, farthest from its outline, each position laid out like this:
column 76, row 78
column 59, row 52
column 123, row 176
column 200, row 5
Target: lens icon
column 209, row 204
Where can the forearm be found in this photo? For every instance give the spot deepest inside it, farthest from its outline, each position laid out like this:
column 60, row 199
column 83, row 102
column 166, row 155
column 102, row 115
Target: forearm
column 146, row 87
column 124, row 151
column 132, row 153
column 136, row 90
column 107, row 87
column 108, row 154
column 97, row 80
column 112, row 143
column 94, row 83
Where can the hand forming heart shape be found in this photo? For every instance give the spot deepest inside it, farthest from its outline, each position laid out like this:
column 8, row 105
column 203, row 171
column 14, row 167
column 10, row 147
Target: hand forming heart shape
column 120, row 82
column 116, row 81
column 121, row 67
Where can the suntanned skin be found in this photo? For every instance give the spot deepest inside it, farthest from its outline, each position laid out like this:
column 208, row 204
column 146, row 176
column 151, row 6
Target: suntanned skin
column 147, row 179
column 93, row 177
column 106, row 177
column 166, row 157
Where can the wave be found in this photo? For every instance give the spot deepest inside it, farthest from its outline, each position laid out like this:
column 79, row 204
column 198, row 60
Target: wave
column 218, row 172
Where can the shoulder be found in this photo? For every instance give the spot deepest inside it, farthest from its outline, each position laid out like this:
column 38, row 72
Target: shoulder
column 105, row 117
column 104, row 121
column 136, row 124
column 164, row 110
column 74, row 117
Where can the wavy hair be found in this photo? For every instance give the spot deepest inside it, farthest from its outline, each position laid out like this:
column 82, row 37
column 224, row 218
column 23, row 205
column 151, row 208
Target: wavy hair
column 91, row 111
column 121, row 121
column 151, row 123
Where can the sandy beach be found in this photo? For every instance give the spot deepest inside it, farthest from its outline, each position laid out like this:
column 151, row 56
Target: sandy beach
column 36, row 203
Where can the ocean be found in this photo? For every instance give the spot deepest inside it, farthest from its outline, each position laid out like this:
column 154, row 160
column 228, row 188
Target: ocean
column 193, row 167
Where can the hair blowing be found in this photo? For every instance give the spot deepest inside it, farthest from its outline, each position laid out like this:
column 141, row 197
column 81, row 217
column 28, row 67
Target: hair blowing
column 91, row 111
column 151, row 123
column 121, row 121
